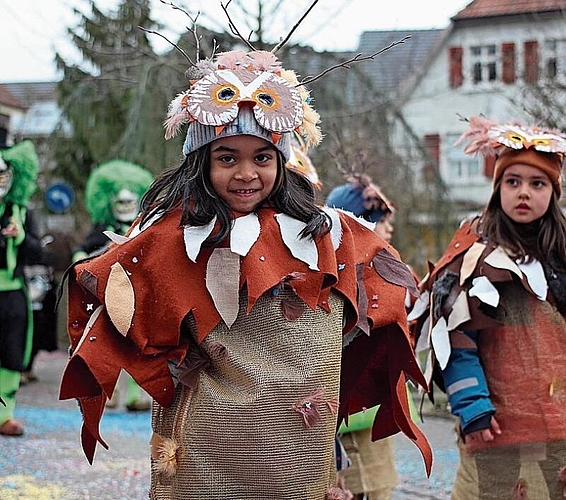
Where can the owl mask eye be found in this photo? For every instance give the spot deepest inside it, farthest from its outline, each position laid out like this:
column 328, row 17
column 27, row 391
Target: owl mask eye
column 226, row 94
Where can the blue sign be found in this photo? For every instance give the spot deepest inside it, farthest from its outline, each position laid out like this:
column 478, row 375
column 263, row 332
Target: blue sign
column 59, row 198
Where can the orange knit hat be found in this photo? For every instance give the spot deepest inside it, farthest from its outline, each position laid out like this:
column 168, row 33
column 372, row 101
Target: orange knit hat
column 549, row 163
column 513, row 143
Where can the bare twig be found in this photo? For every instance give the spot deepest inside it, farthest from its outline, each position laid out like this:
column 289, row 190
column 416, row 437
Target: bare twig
column 233, row 27
column 286, row 39
column 356, row 58
column 175, row 7
column 170, row 42
column 193, row 29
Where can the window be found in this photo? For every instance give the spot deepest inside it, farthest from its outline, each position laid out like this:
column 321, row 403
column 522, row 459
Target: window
column 484, row 63
column 463, row 168
column 553, row 60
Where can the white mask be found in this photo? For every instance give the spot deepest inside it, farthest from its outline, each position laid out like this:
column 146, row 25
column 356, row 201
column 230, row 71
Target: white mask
column 6, row 178
column 125, row 206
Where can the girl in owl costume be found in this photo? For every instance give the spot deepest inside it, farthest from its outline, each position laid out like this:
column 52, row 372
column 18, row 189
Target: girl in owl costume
column 255, row 319
column 113, row 195
column 497, row 324
column 18, row 244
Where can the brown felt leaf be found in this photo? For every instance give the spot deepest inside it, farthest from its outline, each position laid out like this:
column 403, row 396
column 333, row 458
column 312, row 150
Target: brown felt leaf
column 291, row 309
column 393, row 270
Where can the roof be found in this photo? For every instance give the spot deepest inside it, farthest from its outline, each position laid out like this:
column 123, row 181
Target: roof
column 393, row 66
column 7, row 98
column 492, row 8
column 31, row 92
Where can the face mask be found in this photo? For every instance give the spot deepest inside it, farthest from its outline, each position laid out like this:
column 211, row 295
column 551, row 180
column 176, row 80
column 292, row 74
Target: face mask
column 125, row 206
column 6, row 178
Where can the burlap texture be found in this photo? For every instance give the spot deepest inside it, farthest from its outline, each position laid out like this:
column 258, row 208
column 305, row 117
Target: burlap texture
column 239, row 436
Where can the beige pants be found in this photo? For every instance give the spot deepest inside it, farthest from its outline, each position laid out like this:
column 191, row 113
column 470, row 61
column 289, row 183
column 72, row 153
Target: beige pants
column 373, row 470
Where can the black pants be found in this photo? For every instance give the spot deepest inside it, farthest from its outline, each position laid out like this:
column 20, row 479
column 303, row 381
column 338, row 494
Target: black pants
column 13, row 329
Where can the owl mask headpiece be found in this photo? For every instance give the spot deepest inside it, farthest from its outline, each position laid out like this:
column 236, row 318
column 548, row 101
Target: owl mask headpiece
column 512, row 144
column 244, row 94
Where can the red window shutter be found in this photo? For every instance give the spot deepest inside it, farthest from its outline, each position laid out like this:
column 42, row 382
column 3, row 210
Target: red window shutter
column 508, row 62
column 432, row 144
column 489, row 166
column 531, row 61
column 455, row 55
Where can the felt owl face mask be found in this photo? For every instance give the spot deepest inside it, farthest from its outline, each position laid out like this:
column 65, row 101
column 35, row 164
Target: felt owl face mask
column 213, row 106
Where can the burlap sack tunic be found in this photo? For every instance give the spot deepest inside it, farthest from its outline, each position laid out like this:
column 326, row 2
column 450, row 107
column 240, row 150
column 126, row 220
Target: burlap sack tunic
column 247, row 398
column 225, row 426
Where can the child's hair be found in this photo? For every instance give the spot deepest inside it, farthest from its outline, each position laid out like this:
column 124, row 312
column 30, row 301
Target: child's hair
column 188, row 187
column 550, row 232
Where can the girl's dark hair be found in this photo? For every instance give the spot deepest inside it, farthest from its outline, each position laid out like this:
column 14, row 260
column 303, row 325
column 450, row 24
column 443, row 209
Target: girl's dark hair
column 542, row 239
column 188, row 187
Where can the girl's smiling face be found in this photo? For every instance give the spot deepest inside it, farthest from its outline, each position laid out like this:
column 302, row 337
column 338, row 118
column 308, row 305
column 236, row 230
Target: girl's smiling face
column 525, row 193
column 243, row 171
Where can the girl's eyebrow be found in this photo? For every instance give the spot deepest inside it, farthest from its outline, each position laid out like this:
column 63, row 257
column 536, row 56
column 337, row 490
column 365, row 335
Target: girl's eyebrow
column 267, row 147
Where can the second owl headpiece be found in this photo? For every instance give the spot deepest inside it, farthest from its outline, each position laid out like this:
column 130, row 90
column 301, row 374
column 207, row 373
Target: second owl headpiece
column 244, row 93
column 512, row 144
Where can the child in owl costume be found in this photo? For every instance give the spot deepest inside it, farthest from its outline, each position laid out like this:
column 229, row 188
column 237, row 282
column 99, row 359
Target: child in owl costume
column 256, row 319
column 113, row 194
column 18, row 245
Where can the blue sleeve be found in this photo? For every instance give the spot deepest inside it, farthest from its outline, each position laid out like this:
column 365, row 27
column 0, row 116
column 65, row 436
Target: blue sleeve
column 466, row 385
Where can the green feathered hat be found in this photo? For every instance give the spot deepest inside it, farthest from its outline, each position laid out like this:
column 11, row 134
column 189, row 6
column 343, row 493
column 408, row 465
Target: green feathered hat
column 23, row 161
column 107, row 180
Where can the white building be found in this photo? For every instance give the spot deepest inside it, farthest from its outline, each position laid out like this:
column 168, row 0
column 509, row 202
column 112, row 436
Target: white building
column 492, row 50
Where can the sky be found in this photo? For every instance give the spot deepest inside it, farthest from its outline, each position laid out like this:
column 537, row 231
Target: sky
column 32, row 31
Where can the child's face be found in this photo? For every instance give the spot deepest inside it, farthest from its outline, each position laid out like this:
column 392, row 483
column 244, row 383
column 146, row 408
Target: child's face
column 243, row 170
column 525, row 193
column 384, row 228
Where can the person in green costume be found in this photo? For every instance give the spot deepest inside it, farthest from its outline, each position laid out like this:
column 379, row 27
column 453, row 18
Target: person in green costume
column 18, row 245
column 113, row 193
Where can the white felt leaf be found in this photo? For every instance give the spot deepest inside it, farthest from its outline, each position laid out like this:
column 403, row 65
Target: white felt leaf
column 244, row 234
column 303, row 249
column 336, row 231
column 119, row 298
column 137, row 230
column 115, row 237
column 470, row 260
column 420, row 306
column 195, row 236
column 441, row 342
column 500, row 260
column 93, row 317
column 223, row 283
column 423, row 342
column 428, row 367
column 361, row 220
column 484, row 290
column 460, row 312
column 536, row 278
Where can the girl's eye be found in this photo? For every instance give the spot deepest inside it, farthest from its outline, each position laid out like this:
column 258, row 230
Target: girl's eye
column 512, row 182
column 226, row 159
column 539, row 184
column 262, row 158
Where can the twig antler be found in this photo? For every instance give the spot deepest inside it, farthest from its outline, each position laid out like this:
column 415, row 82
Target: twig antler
column 233, row 27
column 193, row 30
column 286, row 39
column 356, row 58
column 191, row 62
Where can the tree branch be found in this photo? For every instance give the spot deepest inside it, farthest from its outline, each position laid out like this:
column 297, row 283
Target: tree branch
column 170, row 42
column 356, row 58
column 232, row 26
column 286, row 39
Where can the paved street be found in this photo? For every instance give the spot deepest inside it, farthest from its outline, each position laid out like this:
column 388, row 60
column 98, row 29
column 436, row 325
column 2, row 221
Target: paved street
column 48, row 463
